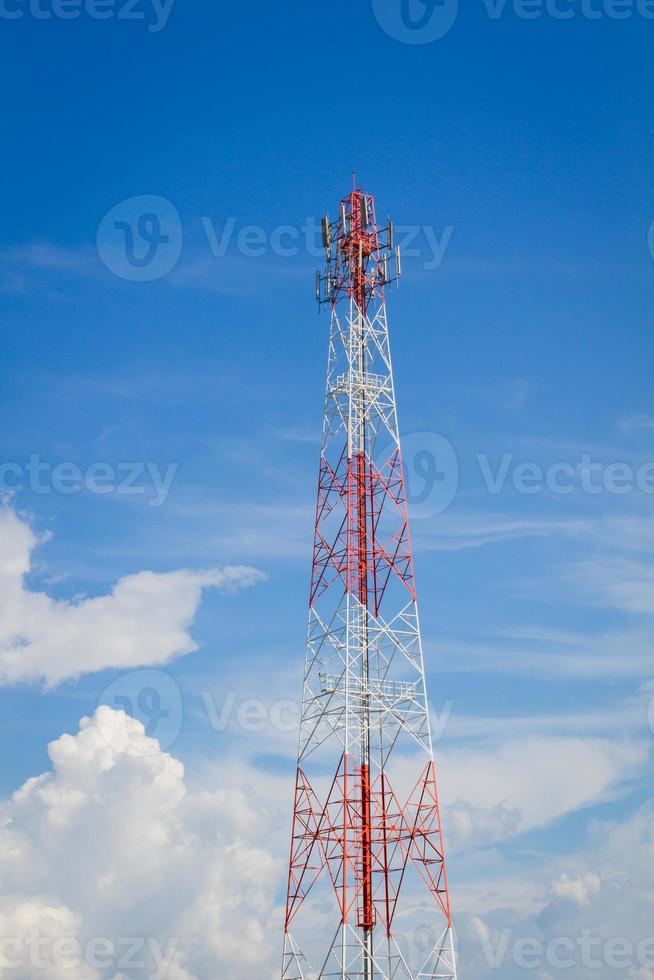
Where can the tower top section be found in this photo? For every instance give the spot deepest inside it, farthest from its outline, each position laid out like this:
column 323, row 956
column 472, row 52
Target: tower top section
column 362, row 258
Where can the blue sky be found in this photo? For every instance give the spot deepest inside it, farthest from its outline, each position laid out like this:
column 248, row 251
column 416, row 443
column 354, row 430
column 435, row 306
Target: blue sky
column 523, row 146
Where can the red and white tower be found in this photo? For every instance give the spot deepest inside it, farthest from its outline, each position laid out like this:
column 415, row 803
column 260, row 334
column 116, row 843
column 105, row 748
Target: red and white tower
column 367, row 861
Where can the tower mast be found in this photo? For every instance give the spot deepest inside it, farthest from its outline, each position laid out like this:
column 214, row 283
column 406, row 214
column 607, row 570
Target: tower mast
column 365, row 720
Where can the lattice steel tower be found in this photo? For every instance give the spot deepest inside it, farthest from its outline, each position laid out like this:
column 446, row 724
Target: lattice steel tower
column 366, row 868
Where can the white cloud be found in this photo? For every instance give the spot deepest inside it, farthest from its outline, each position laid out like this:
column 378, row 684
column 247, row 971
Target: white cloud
column 524, row 783
column 38, row 936
column 116, row 844
column 579, row 889
column 143, row 621
column 124, row 849
column 594, row 904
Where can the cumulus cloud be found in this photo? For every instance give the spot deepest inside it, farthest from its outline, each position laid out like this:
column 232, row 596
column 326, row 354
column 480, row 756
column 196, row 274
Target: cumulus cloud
column 115, row 844
column 143, row 621
column 123, row 849
column 38, row 936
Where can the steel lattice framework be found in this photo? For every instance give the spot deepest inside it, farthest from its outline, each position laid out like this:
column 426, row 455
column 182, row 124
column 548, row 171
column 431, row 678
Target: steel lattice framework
column 366, row 847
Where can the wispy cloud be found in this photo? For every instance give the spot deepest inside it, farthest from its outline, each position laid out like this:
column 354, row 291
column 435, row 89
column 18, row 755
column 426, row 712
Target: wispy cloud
column 628, row 716
column 624, row 653
column 462, row 531
column 48, row 255
column 53, row 268
column 300, row 434
column 618, row 583
column 632, row 423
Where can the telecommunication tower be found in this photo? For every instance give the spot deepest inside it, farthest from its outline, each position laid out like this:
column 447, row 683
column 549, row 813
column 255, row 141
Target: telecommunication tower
column 367, row 864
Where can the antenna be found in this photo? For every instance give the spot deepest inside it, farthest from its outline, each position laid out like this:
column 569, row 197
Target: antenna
column 326, row 234
column 365, row 212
